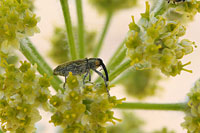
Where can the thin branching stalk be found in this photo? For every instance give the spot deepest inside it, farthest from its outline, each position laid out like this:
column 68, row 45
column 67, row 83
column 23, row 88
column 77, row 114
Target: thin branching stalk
column 119, row 58
column 30, row 52
column 67, row 18
column 153, row 106
column 80, row 29
column 122, row 67
column 103, row 34
column 114, row 60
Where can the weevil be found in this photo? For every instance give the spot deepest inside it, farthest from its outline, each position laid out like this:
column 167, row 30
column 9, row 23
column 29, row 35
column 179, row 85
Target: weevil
column 82, row 66
column 174, row 1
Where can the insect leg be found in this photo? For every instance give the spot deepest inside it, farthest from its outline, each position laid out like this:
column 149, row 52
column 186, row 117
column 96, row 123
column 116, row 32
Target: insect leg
column 105, row 80
column 65, row 82
column 89, row 75
column 85, row 76
column 88, row 72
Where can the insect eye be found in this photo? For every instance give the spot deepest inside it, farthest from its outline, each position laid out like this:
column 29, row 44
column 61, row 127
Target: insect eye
column 97, row 63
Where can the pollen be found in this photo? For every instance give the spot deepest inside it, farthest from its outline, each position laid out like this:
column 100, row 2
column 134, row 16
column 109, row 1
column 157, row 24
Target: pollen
column 74, row 81
column 76, row 98
column 73, row 115
column 25, row 109
column 19, row 108
column 54, row 103
column 67, row 116
column 72, row 94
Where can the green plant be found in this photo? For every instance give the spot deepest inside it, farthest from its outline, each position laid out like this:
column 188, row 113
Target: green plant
column 155, row 42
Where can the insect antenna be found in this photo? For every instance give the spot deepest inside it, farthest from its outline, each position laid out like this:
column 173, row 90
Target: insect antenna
column 105, row 70
column 106, row 73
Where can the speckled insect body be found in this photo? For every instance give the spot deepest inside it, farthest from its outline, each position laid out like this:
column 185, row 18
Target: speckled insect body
column 77, row 67
column 82, row 66
column 174, row 1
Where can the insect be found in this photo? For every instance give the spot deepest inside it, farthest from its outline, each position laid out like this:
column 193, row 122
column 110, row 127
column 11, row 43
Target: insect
column 174, row 1
column 82, row 66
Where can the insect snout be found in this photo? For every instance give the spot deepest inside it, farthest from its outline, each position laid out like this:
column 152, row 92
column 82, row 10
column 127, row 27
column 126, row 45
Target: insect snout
column 55, row 72
column 58, row 71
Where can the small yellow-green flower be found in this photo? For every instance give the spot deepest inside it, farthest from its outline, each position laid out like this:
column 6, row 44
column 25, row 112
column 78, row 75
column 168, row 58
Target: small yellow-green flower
column 16, row 22
column 83, row 108
column 192, row 118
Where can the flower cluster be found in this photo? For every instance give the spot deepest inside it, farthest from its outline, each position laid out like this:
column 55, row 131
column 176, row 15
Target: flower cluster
column 141, row 83
column 60, row 50
column 130, row 124
column 16, row 22
column 192, row 118
column 133, row 124
column 21, row 93
column 164, row 130
column 183, row 11
column 154, row 43
column 112, row 5
column 82, row 108
column 30, row 4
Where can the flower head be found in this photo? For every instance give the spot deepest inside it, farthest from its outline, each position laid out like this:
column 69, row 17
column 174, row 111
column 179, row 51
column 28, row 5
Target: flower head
column 130, row 124
column 83, row 107
column 192, row 119
column 183, row 11
column 16, row 22
column 141, row 83
column 21, row 93
column 155, row 43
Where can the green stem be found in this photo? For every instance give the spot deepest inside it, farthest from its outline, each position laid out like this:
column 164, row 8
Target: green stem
column 80, row 28
column 125, row 65
column 153, row 106
column 113, row 58
column 118, row 59
column 30, row 52
column 122, row 77
column 103, row 34
column 66, row 13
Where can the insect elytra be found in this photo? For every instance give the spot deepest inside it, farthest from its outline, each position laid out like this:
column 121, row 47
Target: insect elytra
column 82, row 66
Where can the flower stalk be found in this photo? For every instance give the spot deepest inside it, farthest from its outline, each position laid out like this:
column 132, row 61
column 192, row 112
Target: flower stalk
column 30, row 52
column 103, row 34
column 117, row 57
column 81, row 41
column 68, row 23
column 153, row 106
